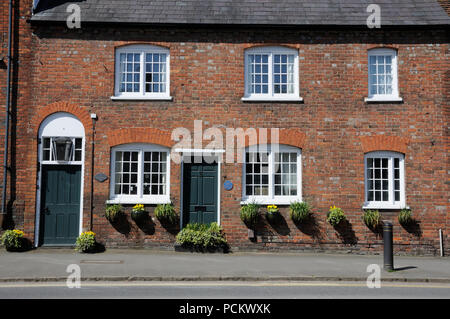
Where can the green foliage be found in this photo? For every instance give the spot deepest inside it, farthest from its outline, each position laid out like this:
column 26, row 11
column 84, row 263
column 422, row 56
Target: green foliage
column 13, row 239
column 405, row 216
column 113, row 212
column 335, row 216
column 300, row 211
column 202, row 236
column 250, row 214
column 85, row 242
column 371, row 218
column 166, row 213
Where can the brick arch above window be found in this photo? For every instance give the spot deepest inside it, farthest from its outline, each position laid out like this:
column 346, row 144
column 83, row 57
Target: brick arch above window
column 384, row 143
column 139, row 135
column 383, row 46
column 291, row 137
column 163, row 45
column 82, row 114
column 262, row 45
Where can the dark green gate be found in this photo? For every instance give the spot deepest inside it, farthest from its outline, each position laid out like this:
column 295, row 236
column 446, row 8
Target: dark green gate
column 60, row 204
column 200, row 193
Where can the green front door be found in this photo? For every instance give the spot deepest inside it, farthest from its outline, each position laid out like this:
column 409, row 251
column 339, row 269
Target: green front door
column 200, row 193
column 60, row 204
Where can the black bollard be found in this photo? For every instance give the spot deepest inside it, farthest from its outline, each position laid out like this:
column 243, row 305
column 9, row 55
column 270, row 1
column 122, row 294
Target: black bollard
column 388, row 246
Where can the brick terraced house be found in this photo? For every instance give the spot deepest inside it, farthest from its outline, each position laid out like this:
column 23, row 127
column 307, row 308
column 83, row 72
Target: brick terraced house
column 362, row 116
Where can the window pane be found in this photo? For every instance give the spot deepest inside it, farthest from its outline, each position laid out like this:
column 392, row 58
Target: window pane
column 256, row 173
column 282, row 71
column 377, row 179
column 285, row 179
column 154, row 174
column 125, row 181
column 258, row 70
column 129, row 72
column 155, row 76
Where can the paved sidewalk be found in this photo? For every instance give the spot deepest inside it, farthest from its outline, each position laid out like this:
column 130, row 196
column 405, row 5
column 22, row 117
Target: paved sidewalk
column 129, row 265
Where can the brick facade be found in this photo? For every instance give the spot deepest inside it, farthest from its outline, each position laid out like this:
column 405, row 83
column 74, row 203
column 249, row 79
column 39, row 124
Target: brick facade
column 73, row 71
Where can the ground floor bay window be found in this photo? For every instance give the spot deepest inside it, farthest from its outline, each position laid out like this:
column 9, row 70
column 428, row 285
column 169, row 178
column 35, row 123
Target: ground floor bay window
column 272, row 174
column 140, row 173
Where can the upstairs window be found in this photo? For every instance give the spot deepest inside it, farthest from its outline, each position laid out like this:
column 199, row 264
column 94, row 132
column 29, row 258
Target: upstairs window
column 142, row 72
column 384, row 180
column 383, row 82
column 271, row 73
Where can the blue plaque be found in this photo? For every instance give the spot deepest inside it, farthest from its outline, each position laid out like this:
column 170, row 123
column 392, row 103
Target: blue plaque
column 228, row 185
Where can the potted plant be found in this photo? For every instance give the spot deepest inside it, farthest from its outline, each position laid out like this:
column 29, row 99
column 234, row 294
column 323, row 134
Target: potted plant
column 300, row 212
column 335, row 216
column 13, row 240
column 371, row 218
column 202, row 238
column 86, row 242
column 113, row 212
column 273, row 213
column 405, row 217
column 166, row 213
column 138, row 213
column 250, row 215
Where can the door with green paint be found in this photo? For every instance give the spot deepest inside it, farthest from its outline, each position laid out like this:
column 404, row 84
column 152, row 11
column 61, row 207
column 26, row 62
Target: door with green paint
column 60, row 204
column 200, row 193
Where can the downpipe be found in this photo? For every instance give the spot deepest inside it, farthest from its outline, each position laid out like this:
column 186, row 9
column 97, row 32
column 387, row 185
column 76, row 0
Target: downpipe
column 8, row 98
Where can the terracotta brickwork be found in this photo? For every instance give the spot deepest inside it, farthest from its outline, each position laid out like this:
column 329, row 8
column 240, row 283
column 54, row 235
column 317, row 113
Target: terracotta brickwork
column 139, row 135
column 384, row 143
column 73, row 71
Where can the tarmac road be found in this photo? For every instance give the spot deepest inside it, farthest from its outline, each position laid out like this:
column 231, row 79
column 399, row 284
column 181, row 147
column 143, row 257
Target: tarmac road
column 222, row 290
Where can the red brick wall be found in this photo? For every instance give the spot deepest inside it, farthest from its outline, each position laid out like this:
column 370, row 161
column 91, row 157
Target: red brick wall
column 20, row 99
column 207, row 83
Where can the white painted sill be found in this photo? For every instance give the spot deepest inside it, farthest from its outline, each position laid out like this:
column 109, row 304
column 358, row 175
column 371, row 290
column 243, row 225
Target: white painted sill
column 272, row 99
column 381, row 206
column 288, row 201
column 141, row 98
column 138, row 201
column 382, row 99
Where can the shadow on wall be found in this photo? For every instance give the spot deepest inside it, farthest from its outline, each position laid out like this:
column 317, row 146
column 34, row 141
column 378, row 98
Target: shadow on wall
column 146, row 225
column 345, row 233
column 310, row 227
column 122, row 225
column 280, row 226
column 413, row 228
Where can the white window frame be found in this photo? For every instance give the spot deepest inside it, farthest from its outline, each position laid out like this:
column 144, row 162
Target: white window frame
column 270, row 96
column 391, row 204
column 272, row 198
column 52, row 161
column 394, row 96
column 140, row 198
column 141, row 95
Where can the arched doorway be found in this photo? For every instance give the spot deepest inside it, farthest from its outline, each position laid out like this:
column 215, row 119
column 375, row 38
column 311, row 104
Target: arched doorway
column 60, row 180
